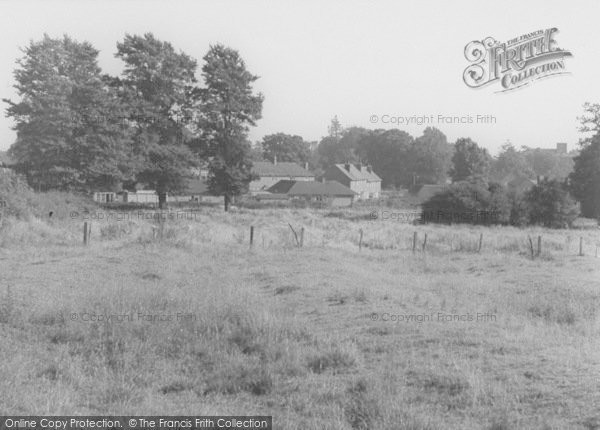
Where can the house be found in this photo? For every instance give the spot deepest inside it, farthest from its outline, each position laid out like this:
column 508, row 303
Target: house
column 332, row 192
column 427, row 191
column 270, row 173
column 359, row 178
column 561, row 148
column 196, row 190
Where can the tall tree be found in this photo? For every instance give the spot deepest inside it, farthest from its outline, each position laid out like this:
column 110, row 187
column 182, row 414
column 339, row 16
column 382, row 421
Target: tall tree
column 335, row 128
column 69, row 130
column 510, row 162
column 387, row 151
column 286, row 148
column 469, row 160
column 229, row 107
column 158, row 86
column 550, row 204
column 332, row 150
column 585, row 179
column 430, row 157
column 338, row 146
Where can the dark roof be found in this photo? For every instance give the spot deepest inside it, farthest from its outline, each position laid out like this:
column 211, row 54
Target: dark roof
column 311, row 188
column 5, row 159
column 358, row 172
column 266, row 168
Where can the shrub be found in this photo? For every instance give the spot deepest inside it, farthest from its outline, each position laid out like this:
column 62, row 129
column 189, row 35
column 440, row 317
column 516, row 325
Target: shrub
column 550, row 205
column 15, row 196
column 469, row 202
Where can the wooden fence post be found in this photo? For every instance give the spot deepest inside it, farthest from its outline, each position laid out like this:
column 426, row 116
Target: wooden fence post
column 295, row 235
column 539, row 249
column 85, row 233
column 251, row 235
column 301, row 237
column 424, row 242
column 581, row 246
column 414, row 241
column 360, row 239
column 531, row 246
column 480, row 242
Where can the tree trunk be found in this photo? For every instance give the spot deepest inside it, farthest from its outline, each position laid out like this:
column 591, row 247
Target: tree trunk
column 162, row 200
column 226, row 202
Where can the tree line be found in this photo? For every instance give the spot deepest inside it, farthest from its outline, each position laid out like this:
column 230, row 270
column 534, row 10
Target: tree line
column 478, row 180
column 80, row 129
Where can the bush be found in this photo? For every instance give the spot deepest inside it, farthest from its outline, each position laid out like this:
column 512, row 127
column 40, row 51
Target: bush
column 470, row 202
column 550, row 205
column 15, row 196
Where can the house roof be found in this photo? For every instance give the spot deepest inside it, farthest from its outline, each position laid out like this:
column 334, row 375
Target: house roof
column 358, row 172
column 311, row 188
column 285, row 169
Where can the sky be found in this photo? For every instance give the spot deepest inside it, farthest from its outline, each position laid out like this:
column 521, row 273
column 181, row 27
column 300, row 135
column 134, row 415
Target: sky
column 364, row 61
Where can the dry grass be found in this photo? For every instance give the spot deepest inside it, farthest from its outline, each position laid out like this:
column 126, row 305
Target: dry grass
column 289, row 332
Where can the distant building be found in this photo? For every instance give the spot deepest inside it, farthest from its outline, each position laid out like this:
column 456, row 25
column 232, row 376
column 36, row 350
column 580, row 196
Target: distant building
column 561, row 148
column 140, row 196
column 196, row 190
column 105, row 197
column 359, row 178
column 201, row 171
column 270, row 173
column 332, row 192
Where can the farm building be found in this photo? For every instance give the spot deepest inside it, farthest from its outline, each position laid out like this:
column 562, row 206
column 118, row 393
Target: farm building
column 140, row 196
column 105, row 197
column 333, row 193
column 271, row 173
column 359, row 178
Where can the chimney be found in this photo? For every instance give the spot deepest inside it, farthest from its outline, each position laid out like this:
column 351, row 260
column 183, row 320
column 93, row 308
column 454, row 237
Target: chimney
column 275, row 160
column 359, row 166
column 347, row 166
column 306, row 165
column 369, row 168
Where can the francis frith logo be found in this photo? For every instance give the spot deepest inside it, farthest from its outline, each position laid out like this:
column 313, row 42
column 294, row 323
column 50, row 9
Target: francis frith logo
column 515, row 63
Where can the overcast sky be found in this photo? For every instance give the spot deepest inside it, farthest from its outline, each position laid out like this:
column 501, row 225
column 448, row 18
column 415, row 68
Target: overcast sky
column 353, row 59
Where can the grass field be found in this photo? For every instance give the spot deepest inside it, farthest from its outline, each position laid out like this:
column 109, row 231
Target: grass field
column 321, row 337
